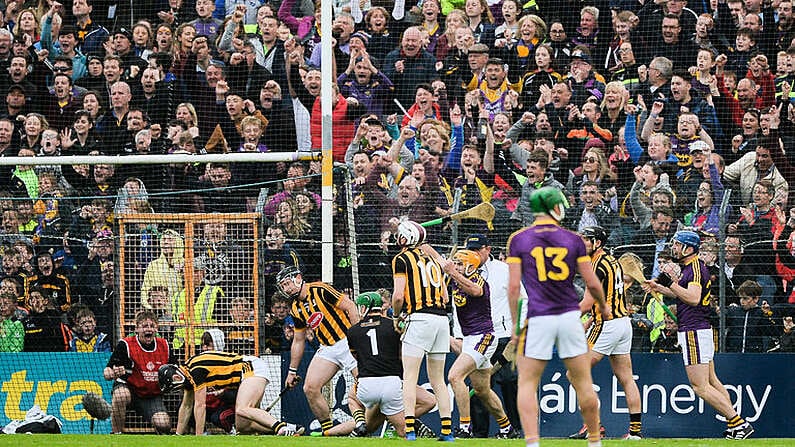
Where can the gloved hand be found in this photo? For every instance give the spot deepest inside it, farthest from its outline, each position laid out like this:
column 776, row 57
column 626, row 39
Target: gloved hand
column 400, row 322
column 664, row 280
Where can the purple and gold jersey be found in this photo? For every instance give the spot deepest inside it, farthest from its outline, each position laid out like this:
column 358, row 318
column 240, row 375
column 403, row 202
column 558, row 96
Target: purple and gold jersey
column 549, row 256
column 474, row 313
column 692, row 318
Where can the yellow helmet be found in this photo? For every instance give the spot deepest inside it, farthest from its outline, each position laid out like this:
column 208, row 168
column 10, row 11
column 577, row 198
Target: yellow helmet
column 469, row 259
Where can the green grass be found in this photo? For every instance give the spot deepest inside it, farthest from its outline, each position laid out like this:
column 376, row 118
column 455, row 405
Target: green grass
column 260, row 441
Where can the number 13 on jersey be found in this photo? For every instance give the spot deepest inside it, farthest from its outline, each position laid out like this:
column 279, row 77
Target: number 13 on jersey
column 559, row 270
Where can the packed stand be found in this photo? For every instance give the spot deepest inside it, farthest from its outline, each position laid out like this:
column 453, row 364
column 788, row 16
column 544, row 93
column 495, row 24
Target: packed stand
column 645, row 114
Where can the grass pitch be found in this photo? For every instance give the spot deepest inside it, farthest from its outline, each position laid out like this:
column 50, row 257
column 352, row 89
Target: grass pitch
column 306, row 441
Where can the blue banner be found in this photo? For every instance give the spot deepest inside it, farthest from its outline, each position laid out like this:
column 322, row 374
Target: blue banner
column 56, row 382
column 759, row 385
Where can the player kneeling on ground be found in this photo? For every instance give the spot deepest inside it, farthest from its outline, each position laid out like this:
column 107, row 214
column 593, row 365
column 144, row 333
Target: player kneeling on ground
column 376, row 345
column 223, row 369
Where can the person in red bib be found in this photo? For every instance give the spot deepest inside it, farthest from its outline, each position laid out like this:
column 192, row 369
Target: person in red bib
column 133, row 367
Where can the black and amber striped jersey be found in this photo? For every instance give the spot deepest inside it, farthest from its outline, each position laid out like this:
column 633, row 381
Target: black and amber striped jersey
column 425, row 284
column 319, row 312
column 216, row 369
column 609, row 272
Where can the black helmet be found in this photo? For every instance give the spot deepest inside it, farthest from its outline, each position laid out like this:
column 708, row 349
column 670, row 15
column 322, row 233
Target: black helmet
column 595, row 232
column 289, row 272
column 170, row 378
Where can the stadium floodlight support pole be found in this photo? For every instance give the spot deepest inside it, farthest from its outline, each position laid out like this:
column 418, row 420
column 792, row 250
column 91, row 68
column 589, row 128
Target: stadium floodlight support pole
column 326, row 100
column 235, row 157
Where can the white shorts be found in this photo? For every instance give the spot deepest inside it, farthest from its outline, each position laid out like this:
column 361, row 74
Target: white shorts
column 614, row 338
column 338, row 354
column 428, row 332
column 258, row 365
column 480, row 347
column 698, row 347
column 386, row 392
column 545, row 332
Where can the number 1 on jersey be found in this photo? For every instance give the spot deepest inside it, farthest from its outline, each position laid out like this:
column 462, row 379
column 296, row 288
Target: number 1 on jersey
column 373, row 341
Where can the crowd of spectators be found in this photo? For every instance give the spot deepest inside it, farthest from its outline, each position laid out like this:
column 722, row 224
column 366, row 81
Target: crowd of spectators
column 647, row 114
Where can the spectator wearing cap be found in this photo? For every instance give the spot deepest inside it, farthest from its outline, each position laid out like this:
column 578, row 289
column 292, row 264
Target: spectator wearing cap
column 94, row 78
column 477, row 56
column 47, row 278
column 689, row 179
column 122, row 46
column 66, row 44
column 15, row 104
column 409, row 65
column 583, row 81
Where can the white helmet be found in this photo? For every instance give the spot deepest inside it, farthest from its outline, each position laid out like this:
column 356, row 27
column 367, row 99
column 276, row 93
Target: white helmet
column 410, row 234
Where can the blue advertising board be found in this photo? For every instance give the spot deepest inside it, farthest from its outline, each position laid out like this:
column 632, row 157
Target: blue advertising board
column 56, row 382
column 759, row 385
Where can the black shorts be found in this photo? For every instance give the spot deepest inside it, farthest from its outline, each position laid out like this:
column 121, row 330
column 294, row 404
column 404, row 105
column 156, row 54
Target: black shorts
column 146, row 407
